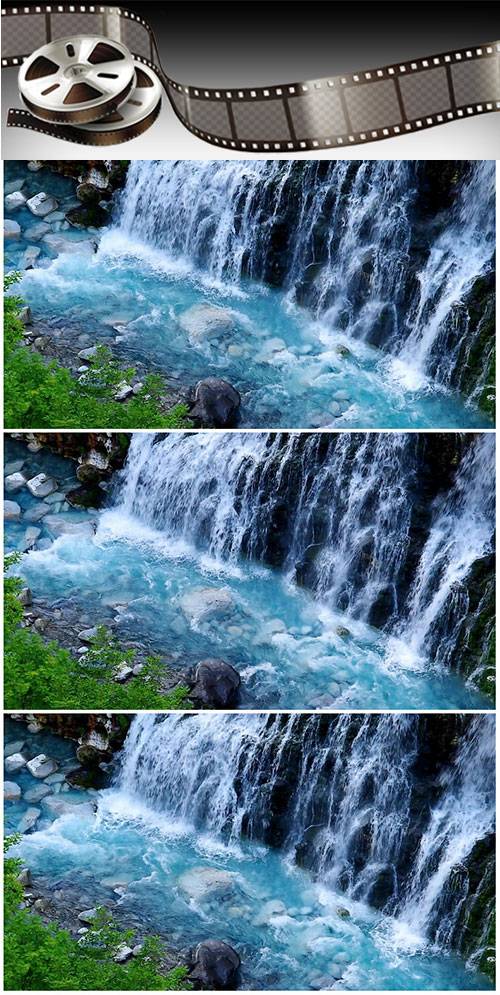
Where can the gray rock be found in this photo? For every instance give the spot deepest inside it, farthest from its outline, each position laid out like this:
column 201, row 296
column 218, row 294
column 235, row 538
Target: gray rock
column 87, row 635
column 41, row 485
column 203, row 322
column 123, row 673
column 123, row 954
column 58, row 806
column 36, row 232
column 88, row 353
column 24, row 878
column 11, row 511
column 35, row 165
column 88, row 915
column 11, row 748
column 41, row 204
column 59, row 526
column 13, row 467
column 31, row 536
column 14, row 482
column 216, row 403
column 15, row 762
column 11, row 229
column 28, row 820
column 38, row 793
column 42, row 766
column 37, row 512
column 216, row 965
column 14, row 201
column 25, row 316
column 30, row 256
column 58, row 243
column 34, row 728
column 204, row 604
column 41, row 905
column 12, row 185
column 124, row 392
column 11, row 791
column 202, row 884
column 216, row 684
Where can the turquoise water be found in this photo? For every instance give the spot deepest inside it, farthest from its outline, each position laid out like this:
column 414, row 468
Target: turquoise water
column 291, row 370
column 290, row 650
column 158, row 865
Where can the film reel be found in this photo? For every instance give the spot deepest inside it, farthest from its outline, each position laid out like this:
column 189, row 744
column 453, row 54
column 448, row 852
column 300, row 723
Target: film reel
column 360, row 107
column 135, row 116
column 77, row 79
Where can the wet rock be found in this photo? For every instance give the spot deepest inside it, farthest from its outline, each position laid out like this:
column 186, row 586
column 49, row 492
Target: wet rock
column 38, row 793
column 37, row 512
column 216, row 684
column 201, row 884
column 88, row 353
column 58, row 806
column 14, row 201
column 88, row 915
column 35, row 165
column 11, row 229
column 14, row 482
column 41, row 766
column 216, row 403
column 12, row 748
column 122, row 674
column 30, row 256
column 41, row 204
column 204, row 604
column 58, row 526
column 10, row 186
column 30, row 537
column 87, row 635
column 60, row 243
column 34, row 727
column 24, row 878
column 124, row 392
column 123, row 954
column 36, row 232
column 216, row 966
column 14, row 466
column 92, row 467
column 11, row 511
column 11, row 791
column 15, row 762
column 206, row 322
column 41, row 485
column 41, row 905
column 343, row 913
column 29, row 820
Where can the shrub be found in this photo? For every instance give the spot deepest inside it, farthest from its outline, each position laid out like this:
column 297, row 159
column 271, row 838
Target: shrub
column 41, row 956
column 41, row 394
column 40, row 675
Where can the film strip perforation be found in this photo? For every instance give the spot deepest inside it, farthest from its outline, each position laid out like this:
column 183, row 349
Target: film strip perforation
column 354, row 108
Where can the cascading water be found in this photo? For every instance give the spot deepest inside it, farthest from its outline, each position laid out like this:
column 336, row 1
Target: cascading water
column 344, row 514
column 348, row 250
column 345, row 852
column 331, row 570
column 349, row 293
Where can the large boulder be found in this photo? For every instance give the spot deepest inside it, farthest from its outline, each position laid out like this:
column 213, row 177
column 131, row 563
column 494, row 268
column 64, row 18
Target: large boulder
column 11, row 229
column 41, row 766
column 11, row 511
column 36, row 231
column 59, row 243
column 28, row 821
column 14, row 201
column 202, row 884
column 41, row 485
column 11, row 791
column 215, row 966
column 216, row 403
column 216, row 684
column 59, row 526
column 41, row 204
column 15, row 762
column 14, row 482
column 202, row 604
column 203, row 322
column 93, row 466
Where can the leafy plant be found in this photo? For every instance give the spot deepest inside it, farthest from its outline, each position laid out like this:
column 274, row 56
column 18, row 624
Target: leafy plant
column 41, row 956
column 43, row 394
column 41, row 675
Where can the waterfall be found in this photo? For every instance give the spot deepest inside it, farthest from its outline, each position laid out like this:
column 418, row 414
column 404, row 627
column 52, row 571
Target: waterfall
column 460, row 538
column 369, row 522
column 388, row 809
column 351, row 241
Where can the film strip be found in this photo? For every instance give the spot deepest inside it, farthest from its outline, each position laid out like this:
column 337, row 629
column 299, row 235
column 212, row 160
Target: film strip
column 354, row 109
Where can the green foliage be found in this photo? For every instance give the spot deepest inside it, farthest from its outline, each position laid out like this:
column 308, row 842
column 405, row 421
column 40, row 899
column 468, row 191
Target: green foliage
column 43, row 394
column 41, row 675
column 43, row 957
